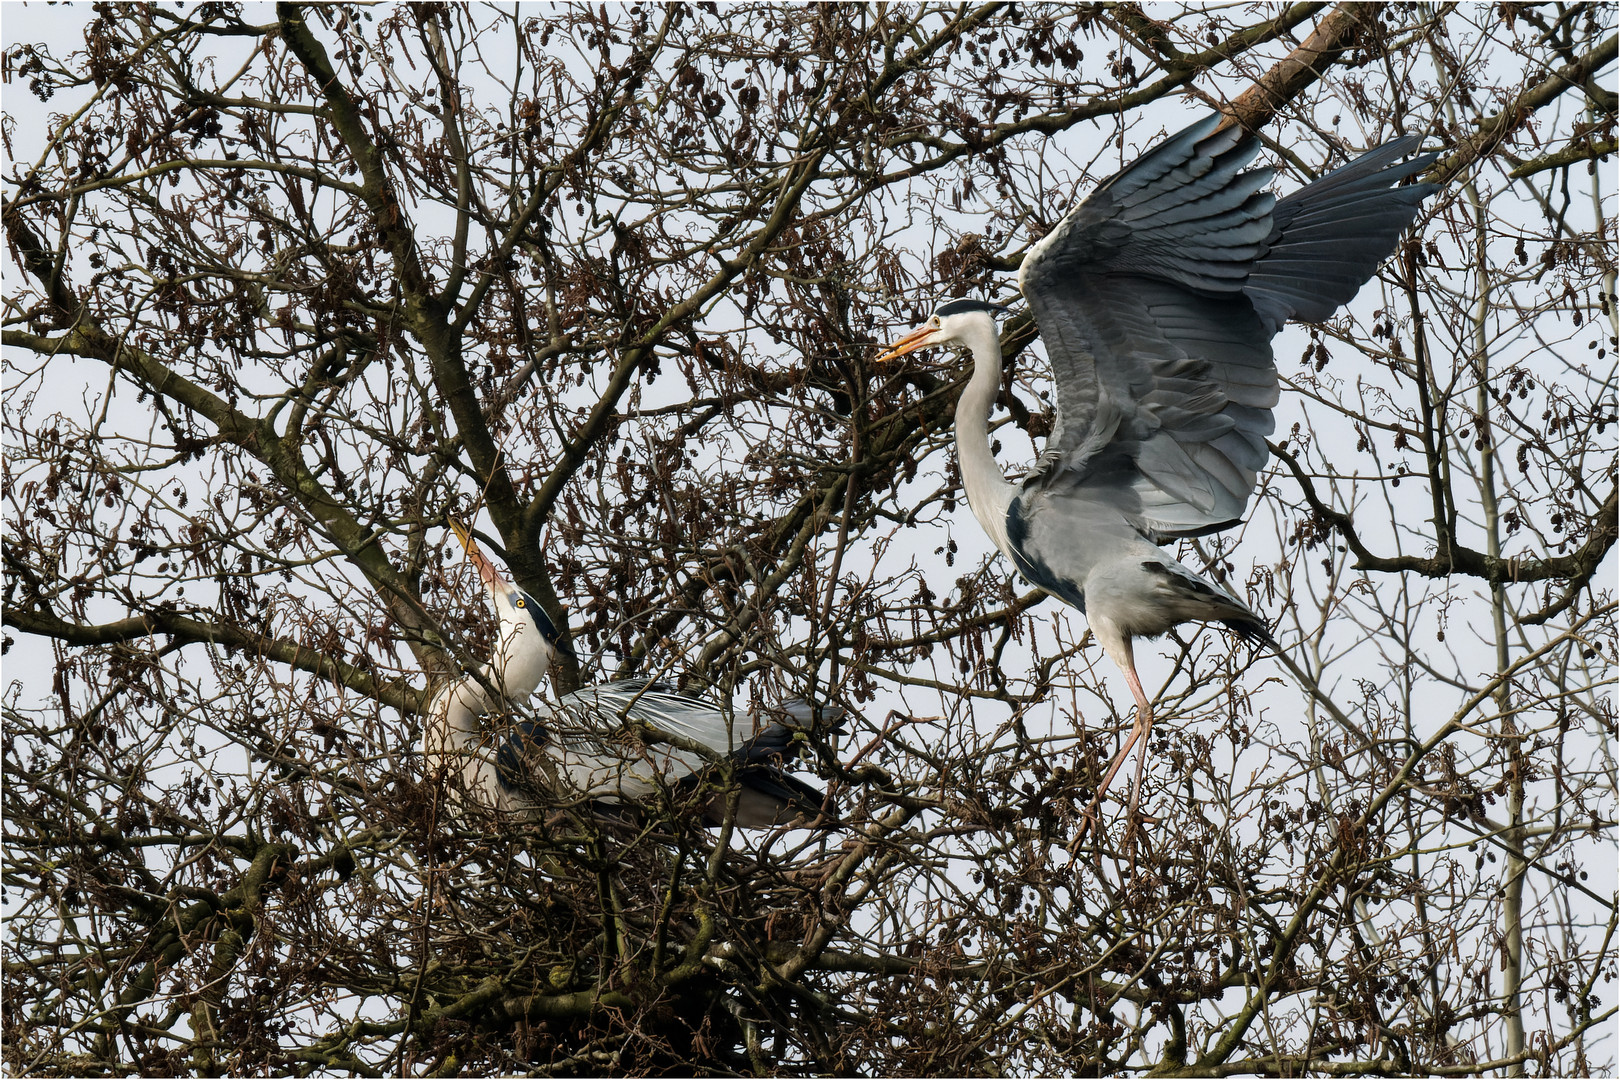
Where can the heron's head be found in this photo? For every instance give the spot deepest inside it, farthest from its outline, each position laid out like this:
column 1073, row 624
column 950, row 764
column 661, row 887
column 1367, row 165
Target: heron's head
column 957, row 322
column 528, row 640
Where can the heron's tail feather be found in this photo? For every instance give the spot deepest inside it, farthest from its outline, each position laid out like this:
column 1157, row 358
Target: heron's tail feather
column 1251, row 631
column 770, row 797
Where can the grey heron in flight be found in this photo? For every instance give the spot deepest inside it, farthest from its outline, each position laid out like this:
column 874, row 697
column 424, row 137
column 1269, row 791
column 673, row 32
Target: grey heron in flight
column 1157, row 298
column 614, row 743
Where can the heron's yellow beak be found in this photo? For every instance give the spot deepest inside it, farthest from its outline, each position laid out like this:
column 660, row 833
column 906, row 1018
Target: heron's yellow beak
column 919, row 338
column 486, row 569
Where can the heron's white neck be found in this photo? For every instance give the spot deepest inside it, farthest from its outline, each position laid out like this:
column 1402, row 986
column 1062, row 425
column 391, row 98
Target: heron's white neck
column 521, row 659
column 988, row 492
column 452, row 716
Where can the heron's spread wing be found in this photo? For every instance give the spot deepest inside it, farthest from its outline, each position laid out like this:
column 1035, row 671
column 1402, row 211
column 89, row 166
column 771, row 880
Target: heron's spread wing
column 1183, row 212
column 1186, row 386
column 1328, row 237
column 1157, row 298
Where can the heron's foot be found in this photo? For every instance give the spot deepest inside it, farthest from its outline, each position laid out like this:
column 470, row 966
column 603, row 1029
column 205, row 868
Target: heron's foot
column 1090, row 822
column 1133, row 832
column 1090, row 825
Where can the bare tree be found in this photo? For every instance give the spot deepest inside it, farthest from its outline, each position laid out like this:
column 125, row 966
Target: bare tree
column 283, row 297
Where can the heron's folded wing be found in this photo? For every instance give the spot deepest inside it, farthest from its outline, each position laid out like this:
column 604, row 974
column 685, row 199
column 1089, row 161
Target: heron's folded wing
column 601, row 729
column 605, row 741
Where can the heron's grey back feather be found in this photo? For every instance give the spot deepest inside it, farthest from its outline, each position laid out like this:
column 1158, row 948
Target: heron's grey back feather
column 625, row 740
column 1157, row 298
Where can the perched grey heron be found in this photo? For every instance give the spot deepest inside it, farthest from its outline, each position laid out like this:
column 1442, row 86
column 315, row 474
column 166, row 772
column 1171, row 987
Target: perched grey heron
column 1157, row 298
column 613, row 743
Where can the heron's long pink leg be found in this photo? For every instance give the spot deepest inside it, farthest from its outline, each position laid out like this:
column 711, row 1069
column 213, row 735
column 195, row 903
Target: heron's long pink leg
column 1139, row 733
column 1141, row 768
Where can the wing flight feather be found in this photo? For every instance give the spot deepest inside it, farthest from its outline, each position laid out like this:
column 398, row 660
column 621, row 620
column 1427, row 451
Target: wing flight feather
column 1157, row 298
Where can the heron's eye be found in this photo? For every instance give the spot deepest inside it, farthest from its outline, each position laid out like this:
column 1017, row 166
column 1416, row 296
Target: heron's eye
column 519, row 602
